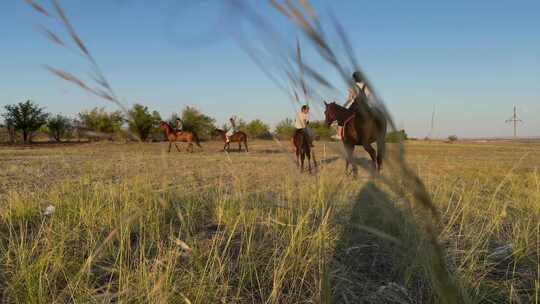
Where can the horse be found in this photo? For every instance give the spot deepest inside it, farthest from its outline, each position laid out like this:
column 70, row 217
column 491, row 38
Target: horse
column 360, row 128
column 185, row 136
column 303, row 150
column 239, row 137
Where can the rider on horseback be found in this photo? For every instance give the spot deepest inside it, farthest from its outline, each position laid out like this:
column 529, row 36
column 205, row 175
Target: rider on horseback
column 302, row 121
column 179, row 125
column 232, row 129
column 358, row 93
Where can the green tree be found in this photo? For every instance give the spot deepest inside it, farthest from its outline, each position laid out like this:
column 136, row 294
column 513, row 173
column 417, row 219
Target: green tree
column 194, row 120
column 142, row 122
column 59, row 126
column 321, row 130
column 258, row 129
column 285, row 128
column 99, row 120
column 26, row 117
column 396, row 136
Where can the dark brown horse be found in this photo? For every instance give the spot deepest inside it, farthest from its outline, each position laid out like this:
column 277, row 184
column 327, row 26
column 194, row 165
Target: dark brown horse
column 239, row 137
column 303, row 150
column 360, row 128
column 184, row 136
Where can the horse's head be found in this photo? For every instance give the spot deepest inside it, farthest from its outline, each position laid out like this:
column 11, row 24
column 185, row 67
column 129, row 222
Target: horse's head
column 330, row 112
column 163, row 125
column 218, row 132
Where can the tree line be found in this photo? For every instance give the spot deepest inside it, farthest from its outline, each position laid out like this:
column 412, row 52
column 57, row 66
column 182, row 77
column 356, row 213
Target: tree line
column 23, row 120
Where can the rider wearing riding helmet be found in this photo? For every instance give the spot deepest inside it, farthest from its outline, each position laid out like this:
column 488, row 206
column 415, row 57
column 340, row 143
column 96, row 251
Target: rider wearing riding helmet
column 359, row 92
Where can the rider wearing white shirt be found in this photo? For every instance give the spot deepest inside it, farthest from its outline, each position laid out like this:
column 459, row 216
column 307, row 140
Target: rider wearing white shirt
column 232, row 129
column 301, row 122
column 178, row 125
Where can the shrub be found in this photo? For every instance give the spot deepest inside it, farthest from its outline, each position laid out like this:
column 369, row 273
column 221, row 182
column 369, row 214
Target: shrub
column 396, row 136
column 321, row 130
column 452, row 138
column 285, row 129
column 258, row 129
column 99, row 120
column 59, row 126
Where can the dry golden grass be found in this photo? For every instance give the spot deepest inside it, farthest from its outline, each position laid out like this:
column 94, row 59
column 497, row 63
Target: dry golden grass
column 136, row 224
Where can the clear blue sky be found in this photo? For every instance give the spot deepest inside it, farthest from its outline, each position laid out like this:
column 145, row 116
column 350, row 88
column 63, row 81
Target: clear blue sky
column 473, row 60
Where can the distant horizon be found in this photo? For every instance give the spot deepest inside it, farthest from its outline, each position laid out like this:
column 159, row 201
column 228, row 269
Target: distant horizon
column 471, row 61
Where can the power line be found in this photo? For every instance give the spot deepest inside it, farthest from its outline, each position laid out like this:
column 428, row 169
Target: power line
column 432, row 126
column 514, row 119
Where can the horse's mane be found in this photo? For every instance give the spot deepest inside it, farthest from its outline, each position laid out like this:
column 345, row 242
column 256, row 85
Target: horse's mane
column 167, row 124
column 338, row 107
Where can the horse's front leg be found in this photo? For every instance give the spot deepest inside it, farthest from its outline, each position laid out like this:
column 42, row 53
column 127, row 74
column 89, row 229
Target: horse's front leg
column 308, row 155
column 350, row 158
column 302, row 158
column 177, row 149
column 170, row 143
column 314, row 160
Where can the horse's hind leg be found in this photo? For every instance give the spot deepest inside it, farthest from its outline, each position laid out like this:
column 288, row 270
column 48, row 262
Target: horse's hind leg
column 245, row 145
column 372, row 154
column 381, row 149
column 308, row 155
column 239, row 146
column 302, row 158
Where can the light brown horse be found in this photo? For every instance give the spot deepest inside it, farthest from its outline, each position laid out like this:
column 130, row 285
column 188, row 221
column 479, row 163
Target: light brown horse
column 360, row 128
column 239, row 137
column 184, row 136
column 303, row 150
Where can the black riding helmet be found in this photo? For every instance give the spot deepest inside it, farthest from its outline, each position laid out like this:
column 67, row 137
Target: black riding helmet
column 357, row 76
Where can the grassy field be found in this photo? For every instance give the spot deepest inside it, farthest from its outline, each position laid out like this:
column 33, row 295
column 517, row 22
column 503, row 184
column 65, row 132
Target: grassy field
column 134, row 224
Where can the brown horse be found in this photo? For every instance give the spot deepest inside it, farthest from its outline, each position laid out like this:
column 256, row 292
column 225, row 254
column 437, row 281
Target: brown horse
column 360, row 128
column 185, row 136
column 303, row 150
column 239, row 137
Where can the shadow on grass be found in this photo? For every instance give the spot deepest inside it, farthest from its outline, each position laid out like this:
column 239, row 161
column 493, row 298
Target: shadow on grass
column 376, row 249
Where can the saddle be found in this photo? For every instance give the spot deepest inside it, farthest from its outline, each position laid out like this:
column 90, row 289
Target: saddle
column 299, row 132
column 353, row 116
